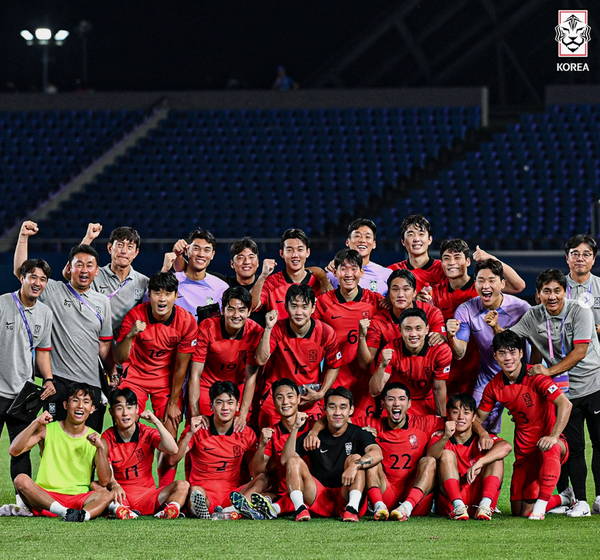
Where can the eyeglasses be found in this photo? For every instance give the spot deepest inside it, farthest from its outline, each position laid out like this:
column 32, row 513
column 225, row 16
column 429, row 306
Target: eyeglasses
column 576, row 254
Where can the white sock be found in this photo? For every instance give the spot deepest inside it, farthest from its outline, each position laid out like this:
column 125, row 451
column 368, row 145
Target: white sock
column 564, row 500
column 457, row 503
column 486, row 502
column 407, row 507
column 19, row 501
column 354, row 499
column 87, row 516
column 112, row 507
column 539, row 508
column 378, row 505
column 277, row 508
column 229, row 508
column 297, row 498
column 57, row 509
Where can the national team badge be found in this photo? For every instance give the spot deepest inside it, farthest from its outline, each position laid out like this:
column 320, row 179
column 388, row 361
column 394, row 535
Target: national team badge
column 569, row 328
column 312, row 356
column 412, row 440
column 573, row 33
column 596, row 302
column 209, row 301
column 349, row 448
column 137, row 293
column 172, row 340
column 373, row 285
column 98, row 310
column 36, row 330
column 242, row 355
column 237, row 451
column 527, row 399
column 139, row 454
column 366, row 315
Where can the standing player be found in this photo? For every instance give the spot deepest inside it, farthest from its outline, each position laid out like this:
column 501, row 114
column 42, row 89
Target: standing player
column 412, row 361
column 342, row 309
column 131, row 447
column 335, row 482
column 225, row 352
column 469, row 477
column 71, row 452
column 294, row 348
column 540, row 448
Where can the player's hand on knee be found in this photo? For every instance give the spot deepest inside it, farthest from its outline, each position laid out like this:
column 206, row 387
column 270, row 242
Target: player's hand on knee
column 118, row 493
column 473, row 472
column 546, row 443
column 173, row 414
column 349, row 475
column 28, row 228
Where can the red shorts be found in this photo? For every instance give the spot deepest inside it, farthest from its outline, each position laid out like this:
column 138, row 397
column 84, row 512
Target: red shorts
column 144, row 500
column 217, row 492
column 158, row 397
column 330, row 502
column 70, row 501
column 268, row 415
column 525, row 483
column 470, row 494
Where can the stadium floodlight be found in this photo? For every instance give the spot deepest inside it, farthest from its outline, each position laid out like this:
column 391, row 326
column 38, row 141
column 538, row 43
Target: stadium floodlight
column 42, row 37
column 27, row 35
column 43, row 34
column 61, row 35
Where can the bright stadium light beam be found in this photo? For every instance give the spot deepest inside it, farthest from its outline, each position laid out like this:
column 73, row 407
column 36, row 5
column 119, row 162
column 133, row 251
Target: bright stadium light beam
column 61, row 35
column 43, row 34
column 27, row 35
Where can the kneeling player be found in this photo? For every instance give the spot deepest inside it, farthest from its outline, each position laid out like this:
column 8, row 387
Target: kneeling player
column 335, row 482
column 469, row 476
column 540, row 412
column 131, row 448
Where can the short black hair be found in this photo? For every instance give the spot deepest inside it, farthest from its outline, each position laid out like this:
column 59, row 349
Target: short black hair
column 31, row 264
column 236, row 292
column 85, row 249
column 577, row 240
column 351, row 256
column 508, row 340
column 402, row 273
column 362, row 222
column 73, row 389
column 490, row 264
column 395, row 385
column 412, row 312
column 284, row 382
column 461, row 399
column 245, row 243
column 418, row 220
column 455, row 246
column 127, row 393
column 200, row 233
column 163, row 281
column 293, row 233
column 125, row 233
column 302, row 291
column 339, row 392
column 550, row 275
column 227, row 387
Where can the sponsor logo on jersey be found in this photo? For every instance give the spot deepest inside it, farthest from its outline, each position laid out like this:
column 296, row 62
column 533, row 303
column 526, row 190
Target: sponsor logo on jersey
column 527, row 399
column 194, row 342
column 348, row 448
column 10, row 326
column 412, row 440
column 36, row 330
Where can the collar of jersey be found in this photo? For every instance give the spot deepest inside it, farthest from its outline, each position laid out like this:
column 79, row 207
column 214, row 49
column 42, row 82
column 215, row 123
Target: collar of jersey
column 304, row 280
column 395, row 319
column 292, row 334
column 153, row 321
column 213, row 430
column 225, row 334
column 389, row 429
column 427, row 265
column 468, row 285
column 575, row 284
column 519, row 380
column 134, row 438
column 341, row 299
column 114, row 274
column 423, row 351
column 467, row 443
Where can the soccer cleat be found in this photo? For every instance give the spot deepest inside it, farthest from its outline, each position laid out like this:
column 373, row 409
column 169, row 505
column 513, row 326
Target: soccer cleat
column 302, row 514
column 579, row 509
column 350, row 515
column 199, row 507
column 400, row 513
column 535, row 517
column 381, row 514
column 483, row 513
column 596, row 505
column 74, row 515
column 264, row 505
column 241, row 503
column 123, row 512
column 460, row 513
column 171, row 511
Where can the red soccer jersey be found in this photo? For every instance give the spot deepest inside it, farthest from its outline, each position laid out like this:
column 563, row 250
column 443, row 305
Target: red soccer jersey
column 530, row 402
column 225, row 358
column 418, row 372
column 403, row 447
column 432, row 273
column 216, row 457
column 153, row 351
column 447, row 300
column 131, row 461
column 276, row 286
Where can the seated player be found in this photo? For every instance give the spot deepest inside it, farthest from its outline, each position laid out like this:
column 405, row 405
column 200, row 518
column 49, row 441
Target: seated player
column 412, row 361
column 406, row 476
column 342, row 309
column 540, row 411
column 71, row 451
column 470, row 473
column 384, row 327
column 334, row 483
column 294, row 347
column 216, row 453
column 131, row 448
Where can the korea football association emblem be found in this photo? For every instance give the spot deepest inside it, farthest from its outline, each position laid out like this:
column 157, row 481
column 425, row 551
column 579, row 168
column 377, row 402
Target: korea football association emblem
column 137, row 293
column 373, row 285
column 348, row 448
column 573, row 33
column 412, row 440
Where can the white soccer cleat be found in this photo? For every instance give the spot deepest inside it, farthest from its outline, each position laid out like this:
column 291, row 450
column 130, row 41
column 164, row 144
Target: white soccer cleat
column 401, row 513
column 568, row 499
column 579, row 509
column 596, row 505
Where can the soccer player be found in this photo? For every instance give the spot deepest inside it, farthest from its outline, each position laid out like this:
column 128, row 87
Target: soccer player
column 540, row 411
column 334, row 483
column 564, row 333
column 225, row 352
column 156, row 342
column 81, row 327
column 384, row 327
column 294, row 348
column 131, row 447
column 217, row 453
column 472, row 319
column 28, row 324
column 469, row 477
column 411, row 360
column 71, row 452
column 362, row 238
column 406, row 476
column 270, row 289
column 342, row 309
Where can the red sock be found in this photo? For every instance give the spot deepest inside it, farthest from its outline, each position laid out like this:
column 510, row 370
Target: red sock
column 452, row 489
column 549, row 472
column 166, row 476
column 414, row 496
column 374, row 494
column 286, row 505
column 553, row 502
column 491, row 488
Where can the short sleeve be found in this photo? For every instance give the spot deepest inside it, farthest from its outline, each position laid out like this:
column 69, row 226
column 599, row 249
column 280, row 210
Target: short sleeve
column 442, row 362
column 276, row 335
column 523, row 326
column 254, row 340
column 488, row 399
column 464, row 330
column 127, row 324
column 363, row 440
column 436, row 320
column 546, row 387
column 332, row 354
column 583, row 325
column 106, row 332
column 45, row 342
column 187, row 344
column 374, row 334
column 202, row 342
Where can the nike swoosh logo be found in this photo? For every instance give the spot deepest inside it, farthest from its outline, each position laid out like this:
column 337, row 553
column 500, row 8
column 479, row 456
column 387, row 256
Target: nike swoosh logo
column 119, row 461
column 326, row 450
column 209, row 448
column 279, row 301
column 147, row 339
column 446, row 308
column 596, row 411
column 336, row 317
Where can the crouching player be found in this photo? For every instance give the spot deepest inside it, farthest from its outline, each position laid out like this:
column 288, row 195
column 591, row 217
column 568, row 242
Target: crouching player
column 335, row 482
column 131, row 448
column 540, row 411
column 71, row 451
column 470, row 471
